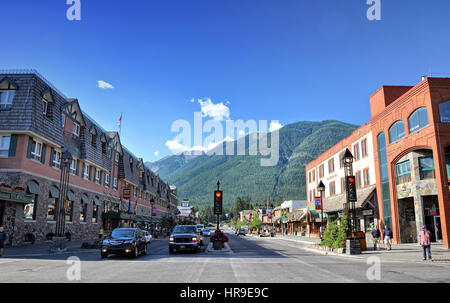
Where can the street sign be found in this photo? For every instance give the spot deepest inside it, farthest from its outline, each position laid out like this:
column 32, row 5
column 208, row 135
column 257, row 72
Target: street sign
column 318, row 202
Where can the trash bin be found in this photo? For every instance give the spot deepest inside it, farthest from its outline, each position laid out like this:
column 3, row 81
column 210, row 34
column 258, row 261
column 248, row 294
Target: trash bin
column 362, row 240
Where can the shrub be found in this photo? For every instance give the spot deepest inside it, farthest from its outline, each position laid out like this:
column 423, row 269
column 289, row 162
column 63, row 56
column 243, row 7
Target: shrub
column 341, row 237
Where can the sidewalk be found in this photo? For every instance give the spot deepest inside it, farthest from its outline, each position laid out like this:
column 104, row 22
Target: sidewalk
column 43, row 249
column 400, row 252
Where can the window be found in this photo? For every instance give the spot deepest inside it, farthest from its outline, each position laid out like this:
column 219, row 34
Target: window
column 7, row 91
column 29, row 210
column 103, row 147
column 426, row 167
column 309, row 177
column 418, row 119
column 314, row 175
column 341, row 163
column 36, row 151
column 68, row 211
column 94, row 140
column 51, row 210
column 97, row 176
column 134, row 191
column 403, row 171
column 85, row 171
column 4, row 145
column 364, row 151
column 73, row 168
column 57, row 159
column 396, row 131
column 95, row 214
column 106, row 179
column 358, row 179
column 321, row 171
column 332, row 188
column 356, row 151
column 83, row 209
column 116, row 157
column 447, row 160
column 444, row 110
column 76, row 130
column 45, row 106
column 331, row 166
column 115, row 183
column 366, row 177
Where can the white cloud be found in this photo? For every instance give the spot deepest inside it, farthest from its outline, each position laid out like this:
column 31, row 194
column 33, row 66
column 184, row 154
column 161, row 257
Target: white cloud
column 217, row 111
column 192, row 100
column 274, row 126
column 176, row 147
column 156, row 153
column 104, row 85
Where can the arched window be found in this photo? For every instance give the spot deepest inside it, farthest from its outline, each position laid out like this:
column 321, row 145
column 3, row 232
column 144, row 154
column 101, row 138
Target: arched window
column 418, row 119
column 397, row 131
column 444, row 109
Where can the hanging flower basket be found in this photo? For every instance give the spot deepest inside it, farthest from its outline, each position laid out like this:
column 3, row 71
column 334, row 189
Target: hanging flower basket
column 4, row 186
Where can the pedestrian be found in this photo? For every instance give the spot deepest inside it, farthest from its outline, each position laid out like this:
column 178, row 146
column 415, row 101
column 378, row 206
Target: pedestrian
column 425, row 241
column 375, row 236
column 100, row 234
column 387, row 235
column 3, row 237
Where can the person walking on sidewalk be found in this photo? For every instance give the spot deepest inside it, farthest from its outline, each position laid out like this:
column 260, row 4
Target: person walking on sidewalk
column 375, row 236
column 387, row 236
column 425, row 241
column 3, row 237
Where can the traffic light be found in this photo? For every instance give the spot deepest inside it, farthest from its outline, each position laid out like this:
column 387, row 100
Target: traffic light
column 351, row 189
column 218, row 195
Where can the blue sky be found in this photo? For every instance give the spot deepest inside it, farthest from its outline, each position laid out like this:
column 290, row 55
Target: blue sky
column 285, row 60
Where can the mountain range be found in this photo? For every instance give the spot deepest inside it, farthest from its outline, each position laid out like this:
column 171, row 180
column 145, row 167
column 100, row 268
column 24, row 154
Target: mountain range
column 196, row 175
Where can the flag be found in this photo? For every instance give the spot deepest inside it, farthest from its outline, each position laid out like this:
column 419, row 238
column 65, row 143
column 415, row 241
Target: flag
column 120, row 122
column 129, row 206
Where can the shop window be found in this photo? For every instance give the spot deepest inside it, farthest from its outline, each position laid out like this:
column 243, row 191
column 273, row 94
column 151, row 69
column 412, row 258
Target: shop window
column 444, row 110
column 426, row 167
column 396, row 131
column 95, row 214
column 5, row 141
column 51, row 210
column 418, row 119
column 403, row 171
column 29, row 210
column 83, row 209
column 68, row 211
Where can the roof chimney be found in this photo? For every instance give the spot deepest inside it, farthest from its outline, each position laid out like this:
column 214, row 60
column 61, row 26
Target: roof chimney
column 424, row 77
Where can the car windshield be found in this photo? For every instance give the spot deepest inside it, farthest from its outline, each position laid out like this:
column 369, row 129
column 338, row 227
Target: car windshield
column 122, row 233
column 184, row 229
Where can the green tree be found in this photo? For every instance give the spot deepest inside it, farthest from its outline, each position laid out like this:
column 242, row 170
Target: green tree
column 341, row 236
column 256, row 223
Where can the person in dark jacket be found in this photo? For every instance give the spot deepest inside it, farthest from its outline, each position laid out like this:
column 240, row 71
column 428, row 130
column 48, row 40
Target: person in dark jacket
column 375, row 236
column 387, row 236
column 3, row 237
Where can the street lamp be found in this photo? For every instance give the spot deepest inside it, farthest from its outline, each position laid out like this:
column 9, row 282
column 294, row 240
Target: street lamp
column 321, row 190
column 347, row 160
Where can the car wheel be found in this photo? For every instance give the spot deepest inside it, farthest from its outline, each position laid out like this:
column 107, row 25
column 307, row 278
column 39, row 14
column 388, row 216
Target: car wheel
column 136, row 251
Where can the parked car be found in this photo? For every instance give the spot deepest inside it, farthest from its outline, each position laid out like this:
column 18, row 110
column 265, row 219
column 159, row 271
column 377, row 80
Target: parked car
column 124, row 241
column 184, row 237
column 242, row 231
column 206, row 232
column 148, row 236
column 200, row 227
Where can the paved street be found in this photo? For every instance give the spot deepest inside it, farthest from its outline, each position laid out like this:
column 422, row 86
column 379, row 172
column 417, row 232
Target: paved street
column 251, row 260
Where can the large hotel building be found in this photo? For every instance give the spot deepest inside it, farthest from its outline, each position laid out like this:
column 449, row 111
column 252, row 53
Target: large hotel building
column 401, row 163
column 37, row 124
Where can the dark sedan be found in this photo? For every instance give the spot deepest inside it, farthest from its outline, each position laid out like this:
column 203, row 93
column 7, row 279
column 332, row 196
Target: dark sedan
column 125, row 241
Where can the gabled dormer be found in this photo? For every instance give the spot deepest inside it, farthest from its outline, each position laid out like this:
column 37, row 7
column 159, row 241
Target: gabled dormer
column 47, row 103
column 7, row 91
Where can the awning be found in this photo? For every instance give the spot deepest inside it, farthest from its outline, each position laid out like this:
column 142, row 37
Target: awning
column 97, row 201
column 336, row 203
column 85, row 199
column 54, row 192
column 70, row 196
column 33, row 187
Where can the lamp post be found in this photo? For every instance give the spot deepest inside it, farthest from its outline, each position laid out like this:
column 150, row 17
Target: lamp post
column 59, row 239
column 321, row 190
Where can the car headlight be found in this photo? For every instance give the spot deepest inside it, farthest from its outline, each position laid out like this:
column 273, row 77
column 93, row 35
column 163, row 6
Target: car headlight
column 194, row 239
column 171, row 240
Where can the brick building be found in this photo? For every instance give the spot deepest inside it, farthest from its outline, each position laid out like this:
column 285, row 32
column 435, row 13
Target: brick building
column 37, row 124
column 410, row 127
